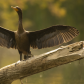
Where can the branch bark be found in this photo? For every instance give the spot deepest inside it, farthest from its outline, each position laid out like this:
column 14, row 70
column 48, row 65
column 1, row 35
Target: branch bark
column 36, row 64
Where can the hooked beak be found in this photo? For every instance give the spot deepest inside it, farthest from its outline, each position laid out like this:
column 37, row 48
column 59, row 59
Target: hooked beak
column 14, row 8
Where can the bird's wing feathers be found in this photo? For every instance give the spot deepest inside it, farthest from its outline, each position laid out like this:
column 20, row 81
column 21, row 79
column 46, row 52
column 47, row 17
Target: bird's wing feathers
column 52, row 36
column 7, row 38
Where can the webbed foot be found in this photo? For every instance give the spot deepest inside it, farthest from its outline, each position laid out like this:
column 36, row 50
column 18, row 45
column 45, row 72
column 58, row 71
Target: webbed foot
column 28, row 56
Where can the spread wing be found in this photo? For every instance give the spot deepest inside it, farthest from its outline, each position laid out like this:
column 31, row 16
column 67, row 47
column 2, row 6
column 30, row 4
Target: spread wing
column 52, row 36
column 7, row 38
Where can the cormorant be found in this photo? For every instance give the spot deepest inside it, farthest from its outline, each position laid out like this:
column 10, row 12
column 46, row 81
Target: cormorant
column 23, row 40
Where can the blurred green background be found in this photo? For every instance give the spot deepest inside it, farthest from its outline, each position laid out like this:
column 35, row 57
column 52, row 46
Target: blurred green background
column 39, row 14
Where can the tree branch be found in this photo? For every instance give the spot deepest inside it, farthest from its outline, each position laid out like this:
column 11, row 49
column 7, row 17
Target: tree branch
column 36, row 64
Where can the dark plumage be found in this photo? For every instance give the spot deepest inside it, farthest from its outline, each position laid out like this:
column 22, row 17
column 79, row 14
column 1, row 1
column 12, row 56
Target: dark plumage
column 23, row 40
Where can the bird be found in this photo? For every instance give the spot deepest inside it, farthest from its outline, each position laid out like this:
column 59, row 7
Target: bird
column 22, row 40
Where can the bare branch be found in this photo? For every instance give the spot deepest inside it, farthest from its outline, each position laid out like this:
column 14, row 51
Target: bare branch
column 36, row 64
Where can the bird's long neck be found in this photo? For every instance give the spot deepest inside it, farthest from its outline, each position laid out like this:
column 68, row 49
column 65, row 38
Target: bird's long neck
column 20, row 27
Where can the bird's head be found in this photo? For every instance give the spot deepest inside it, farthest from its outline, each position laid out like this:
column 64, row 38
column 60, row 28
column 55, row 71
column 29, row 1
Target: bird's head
column 18, row 10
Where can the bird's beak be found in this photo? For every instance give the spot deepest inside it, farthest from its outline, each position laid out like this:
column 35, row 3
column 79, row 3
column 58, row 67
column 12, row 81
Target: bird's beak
column 14, row 8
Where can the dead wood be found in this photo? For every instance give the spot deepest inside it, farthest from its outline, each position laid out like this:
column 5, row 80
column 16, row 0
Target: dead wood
column 36, row 64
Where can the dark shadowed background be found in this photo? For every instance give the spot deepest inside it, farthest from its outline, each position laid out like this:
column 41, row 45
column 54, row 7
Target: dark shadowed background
column 39, row 14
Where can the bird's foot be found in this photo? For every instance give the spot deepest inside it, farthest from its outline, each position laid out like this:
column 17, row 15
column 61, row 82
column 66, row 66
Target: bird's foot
column 28, row 56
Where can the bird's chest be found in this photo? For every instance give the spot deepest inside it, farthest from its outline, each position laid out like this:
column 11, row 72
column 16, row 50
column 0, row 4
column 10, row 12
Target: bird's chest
column 22, row 41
